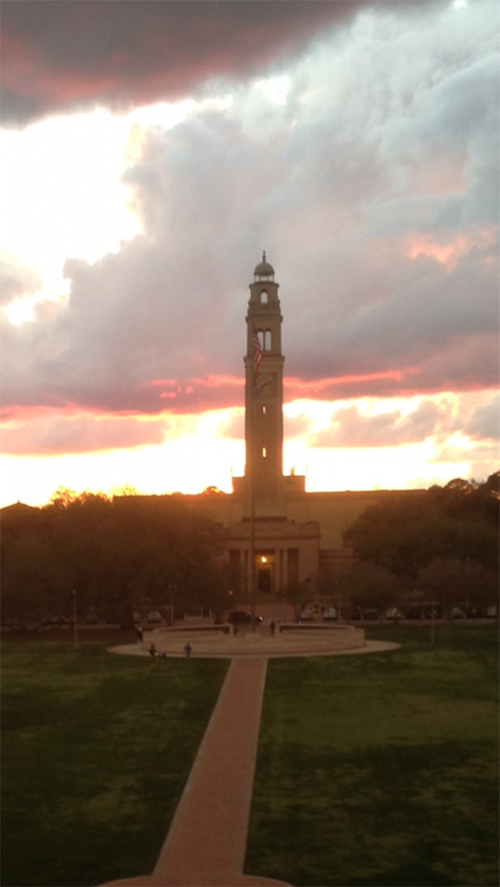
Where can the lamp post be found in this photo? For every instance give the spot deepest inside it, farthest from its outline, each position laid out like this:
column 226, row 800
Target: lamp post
column 75, row 628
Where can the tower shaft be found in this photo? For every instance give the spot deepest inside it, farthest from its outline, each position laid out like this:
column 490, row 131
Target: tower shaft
column 264, row 392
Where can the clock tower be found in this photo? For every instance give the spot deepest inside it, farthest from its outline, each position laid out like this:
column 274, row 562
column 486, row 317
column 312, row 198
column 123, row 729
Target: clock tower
column 270, row 545
column 264, row 393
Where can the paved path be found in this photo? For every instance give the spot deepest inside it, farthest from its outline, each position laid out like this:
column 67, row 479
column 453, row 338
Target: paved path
column 206, row 843
column 205, row 846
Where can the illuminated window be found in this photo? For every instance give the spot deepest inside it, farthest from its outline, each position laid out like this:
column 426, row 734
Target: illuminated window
column 264, row 411
column 264, row 453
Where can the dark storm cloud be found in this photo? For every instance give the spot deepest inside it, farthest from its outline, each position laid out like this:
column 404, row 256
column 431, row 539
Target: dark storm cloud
column 351, row 429
column 61, row 55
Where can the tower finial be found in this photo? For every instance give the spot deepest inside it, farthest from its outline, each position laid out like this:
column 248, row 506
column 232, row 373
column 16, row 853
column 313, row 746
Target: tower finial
column 263, row 255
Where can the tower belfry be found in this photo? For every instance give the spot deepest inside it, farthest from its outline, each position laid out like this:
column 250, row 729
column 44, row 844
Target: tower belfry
column 264, row 392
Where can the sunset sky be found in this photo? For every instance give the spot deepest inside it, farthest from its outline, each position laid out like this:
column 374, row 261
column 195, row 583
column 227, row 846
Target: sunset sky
column 152, row 150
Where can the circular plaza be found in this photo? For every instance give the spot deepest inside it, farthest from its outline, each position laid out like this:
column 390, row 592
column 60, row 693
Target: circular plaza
column 288, row 639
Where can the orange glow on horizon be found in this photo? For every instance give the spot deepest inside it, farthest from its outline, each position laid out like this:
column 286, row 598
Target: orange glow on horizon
column 194, row 451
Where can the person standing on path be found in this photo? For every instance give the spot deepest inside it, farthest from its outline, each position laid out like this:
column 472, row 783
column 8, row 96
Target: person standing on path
column 187, row 650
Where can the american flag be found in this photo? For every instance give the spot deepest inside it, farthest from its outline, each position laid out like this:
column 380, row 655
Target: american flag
column 257, row 354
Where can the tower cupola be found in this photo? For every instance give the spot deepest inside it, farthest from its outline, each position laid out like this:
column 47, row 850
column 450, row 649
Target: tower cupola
column 263, row 272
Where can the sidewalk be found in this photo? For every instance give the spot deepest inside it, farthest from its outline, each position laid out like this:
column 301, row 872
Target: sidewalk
column 205, row 846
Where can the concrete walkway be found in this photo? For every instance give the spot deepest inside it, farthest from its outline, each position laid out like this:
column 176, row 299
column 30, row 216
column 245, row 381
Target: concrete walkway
column 205, row 846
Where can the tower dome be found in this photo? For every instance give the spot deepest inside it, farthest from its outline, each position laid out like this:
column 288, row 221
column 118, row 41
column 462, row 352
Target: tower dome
column 264, row 271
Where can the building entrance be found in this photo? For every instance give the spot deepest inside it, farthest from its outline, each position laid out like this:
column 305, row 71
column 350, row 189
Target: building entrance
column 264, row 580
column 264, row 563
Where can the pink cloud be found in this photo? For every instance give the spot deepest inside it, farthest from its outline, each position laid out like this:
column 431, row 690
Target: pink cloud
column 352, row 429
column 48, row 432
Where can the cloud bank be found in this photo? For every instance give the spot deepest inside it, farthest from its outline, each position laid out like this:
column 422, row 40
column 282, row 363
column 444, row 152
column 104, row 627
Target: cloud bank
column 372, row 182
column 63, row 55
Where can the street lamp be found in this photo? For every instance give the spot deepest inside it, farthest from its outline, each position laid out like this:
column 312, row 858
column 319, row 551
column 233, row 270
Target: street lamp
column 75, row 629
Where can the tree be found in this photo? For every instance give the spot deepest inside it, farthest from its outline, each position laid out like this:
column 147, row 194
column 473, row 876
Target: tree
column 372, row 586
column 405, row 533
column 452, row 581
column 298, row 594
column 118, row 554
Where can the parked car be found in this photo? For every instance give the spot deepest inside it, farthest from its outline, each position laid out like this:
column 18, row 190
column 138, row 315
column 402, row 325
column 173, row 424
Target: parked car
column 330, row 614
column 428, row 612
column 492, row 612
column 457, row 613
column 242, row 617
column 306, row 615
column 55, row 621
column 370, row 614
column 393, row 613
column 413, row 613
column 154, row 616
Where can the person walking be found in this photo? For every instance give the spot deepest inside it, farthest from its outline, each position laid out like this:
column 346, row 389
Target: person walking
column 273, row 627
column 152, row 651
column 187, row 650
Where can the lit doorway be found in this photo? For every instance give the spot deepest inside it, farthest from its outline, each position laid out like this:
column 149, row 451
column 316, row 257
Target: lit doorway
column 264, row 563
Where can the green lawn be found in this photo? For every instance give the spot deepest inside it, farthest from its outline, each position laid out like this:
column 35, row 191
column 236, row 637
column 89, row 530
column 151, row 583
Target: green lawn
column 381, row 769
column 96, row 750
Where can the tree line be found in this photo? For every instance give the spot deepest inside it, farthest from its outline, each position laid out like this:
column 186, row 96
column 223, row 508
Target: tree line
column 443, row 542
column 120, row 554
column 130, row 553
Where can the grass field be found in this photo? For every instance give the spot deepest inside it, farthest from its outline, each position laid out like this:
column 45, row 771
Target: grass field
column 381, row 769
column 96, row 750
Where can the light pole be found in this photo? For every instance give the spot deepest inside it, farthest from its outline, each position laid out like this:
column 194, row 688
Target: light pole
column 75, row 629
